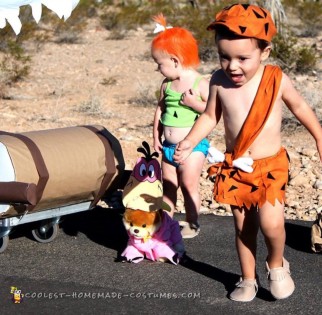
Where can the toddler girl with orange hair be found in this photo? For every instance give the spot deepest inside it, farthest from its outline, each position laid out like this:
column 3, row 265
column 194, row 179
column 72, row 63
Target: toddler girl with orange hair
column 183, row 96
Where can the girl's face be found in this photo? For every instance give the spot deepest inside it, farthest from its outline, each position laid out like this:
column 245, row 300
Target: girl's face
column 167, row 65
column 240, row 58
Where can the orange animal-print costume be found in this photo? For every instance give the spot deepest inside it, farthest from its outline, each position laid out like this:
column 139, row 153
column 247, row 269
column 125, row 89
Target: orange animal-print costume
column 266, row 183
column 268, row 180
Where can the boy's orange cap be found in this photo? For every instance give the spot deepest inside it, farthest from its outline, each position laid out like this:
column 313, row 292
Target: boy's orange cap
column 246, row 20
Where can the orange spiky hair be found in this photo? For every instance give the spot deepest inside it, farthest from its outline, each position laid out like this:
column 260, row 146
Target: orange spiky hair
column 176, row 41
column 160, row 18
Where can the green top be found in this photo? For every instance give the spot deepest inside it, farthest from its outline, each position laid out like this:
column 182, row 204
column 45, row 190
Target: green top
column 175, row 114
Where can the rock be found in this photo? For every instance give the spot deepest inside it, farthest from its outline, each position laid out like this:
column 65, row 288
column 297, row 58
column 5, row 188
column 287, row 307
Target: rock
column 203, row 210
column 126, row 137
column 312, row 213
column 312, row 179
column 317, row 172
column 214, row 205
column 299, row 214
column 294, row 156
column 293, row 204
column 318, row 185
column 309, row 152
column 306, row 162
column 299, row 180
column 294, row 173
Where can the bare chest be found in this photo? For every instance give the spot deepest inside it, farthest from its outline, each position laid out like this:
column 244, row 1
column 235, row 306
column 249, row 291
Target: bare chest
column 236, row 103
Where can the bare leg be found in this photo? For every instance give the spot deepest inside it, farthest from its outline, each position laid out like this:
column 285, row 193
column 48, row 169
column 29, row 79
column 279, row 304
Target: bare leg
column 271, row 220
column 189, row 174
column 246, row 229
column 170, row 185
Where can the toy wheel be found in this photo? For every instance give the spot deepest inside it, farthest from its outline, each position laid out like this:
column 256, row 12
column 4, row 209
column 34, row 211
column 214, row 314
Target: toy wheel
column 45, row 233
column 4, row 241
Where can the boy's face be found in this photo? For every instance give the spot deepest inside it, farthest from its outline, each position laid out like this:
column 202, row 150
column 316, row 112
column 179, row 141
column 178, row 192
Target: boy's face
column 240, row 58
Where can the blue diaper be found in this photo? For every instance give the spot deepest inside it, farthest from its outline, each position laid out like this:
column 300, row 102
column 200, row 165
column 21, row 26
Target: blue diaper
column 169, row 149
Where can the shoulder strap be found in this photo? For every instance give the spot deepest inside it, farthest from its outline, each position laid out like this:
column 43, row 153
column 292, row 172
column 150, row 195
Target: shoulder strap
column 260, row 110
column 167, row 86
column 197, row 81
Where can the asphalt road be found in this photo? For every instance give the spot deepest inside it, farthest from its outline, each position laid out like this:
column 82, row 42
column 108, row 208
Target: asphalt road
column 78, row 272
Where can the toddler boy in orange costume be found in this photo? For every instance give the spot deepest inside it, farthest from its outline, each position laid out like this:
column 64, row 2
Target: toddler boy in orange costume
column 249, row 96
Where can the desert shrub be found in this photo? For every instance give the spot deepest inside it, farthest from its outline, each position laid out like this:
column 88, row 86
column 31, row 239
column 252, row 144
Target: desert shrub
column 108, row 20
column 290, row 3
column 196, row 20
column 109, row 81
column 283, row 50
column 116, row 35
column 144, row 97
column 307, row 59
column 91, row 107
column 130, row 15
column 143, row 100
column 15, row 64
column 3, row 91
column 67, row 37
column 69, row 31
column 310, row 15
column 291, row 56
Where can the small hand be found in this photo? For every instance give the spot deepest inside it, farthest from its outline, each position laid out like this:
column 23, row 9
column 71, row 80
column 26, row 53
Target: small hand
column 157, row 146
column 188, row 97
column 183, row 150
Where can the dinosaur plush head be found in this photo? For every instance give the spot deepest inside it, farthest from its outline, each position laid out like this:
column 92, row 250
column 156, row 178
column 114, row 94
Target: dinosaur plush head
column 144, row 189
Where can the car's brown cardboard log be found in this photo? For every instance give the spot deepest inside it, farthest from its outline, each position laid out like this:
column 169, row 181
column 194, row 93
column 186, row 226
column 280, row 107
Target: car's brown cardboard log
column 60, row 167
column 16, row 192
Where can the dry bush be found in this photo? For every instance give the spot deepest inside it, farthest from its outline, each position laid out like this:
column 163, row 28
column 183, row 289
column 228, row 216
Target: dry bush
column 292, row 56
column 14, row 63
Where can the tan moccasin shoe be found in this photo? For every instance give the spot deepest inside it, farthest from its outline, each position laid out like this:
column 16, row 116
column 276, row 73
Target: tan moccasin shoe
column 280, row 282
column 189, row 230
column 245, row 291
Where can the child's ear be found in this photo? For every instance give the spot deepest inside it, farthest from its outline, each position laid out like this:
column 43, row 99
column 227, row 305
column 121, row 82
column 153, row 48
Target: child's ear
column 175, row 61
column 266, row 52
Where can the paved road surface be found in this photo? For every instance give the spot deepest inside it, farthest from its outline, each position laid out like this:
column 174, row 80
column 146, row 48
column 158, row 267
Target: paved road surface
column 77, row 272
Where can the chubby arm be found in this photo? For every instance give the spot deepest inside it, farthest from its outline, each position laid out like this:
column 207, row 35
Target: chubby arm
column 191, row 97
column 302, row 111
column 157, row 126
column 206, row 122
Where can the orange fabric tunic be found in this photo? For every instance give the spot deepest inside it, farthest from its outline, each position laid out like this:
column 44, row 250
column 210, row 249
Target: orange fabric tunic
column 268, row 180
